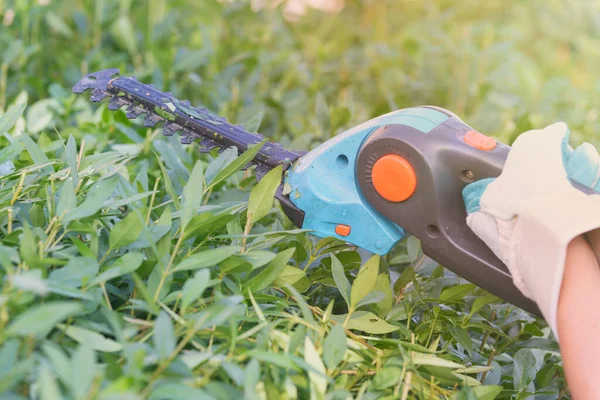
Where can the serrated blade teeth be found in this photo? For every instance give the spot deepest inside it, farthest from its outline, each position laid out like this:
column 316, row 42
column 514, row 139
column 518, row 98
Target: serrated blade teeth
column 170, row 128
column 134, row 111
column 152, row 119
column 207, row 144
column 117, row 102
column 98, row 94
column 188, row 137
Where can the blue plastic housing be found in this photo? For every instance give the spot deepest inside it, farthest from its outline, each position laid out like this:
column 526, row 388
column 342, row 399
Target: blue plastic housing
column 324, row 184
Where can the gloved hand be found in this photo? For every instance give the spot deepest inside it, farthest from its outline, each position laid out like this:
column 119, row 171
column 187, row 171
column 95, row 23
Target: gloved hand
column 531, row 212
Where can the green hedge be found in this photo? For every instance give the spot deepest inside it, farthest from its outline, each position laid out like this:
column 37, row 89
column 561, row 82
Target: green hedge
column 130, row 268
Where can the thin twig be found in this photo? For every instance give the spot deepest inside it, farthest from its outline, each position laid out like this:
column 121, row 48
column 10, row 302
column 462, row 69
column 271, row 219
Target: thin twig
column 152, row 200
column 353, row 372
column 167, row 270
column 247, row 229
column 406, row 385
column 103, row 286
column 489, row 362
column 486, row 335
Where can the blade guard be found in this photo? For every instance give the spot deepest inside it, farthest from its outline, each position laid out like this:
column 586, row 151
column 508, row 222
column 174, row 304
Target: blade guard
column 323, row 184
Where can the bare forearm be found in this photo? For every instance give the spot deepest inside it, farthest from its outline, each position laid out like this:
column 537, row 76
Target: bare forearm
column 579, row 320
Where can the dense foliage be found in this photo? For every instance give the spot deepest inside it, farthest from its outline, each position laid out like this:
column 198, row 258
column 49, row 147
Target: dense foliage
column 135, row 267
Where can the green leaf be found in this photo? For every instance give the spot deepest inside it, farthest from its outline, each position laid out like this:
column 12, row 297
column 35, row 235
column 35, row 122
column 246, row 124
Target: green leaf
column 306, row 312
column 28, row 249
column 8, row 154
column 124, row 265
column 365, row 281
column 83, row 371
column 383, row 285
column 219, row 163
column 71, row 154
column 164, row 336
column 258, row 258
column 481, row 302
column 546, row 375
column 430, row 359
column 318, row 377
column 407, row 276
column 92, row 339
column 194, row 288
column 269, row 273
column 387, row 377
column 289, row 276
column 462, row 337
column 17, row 373
column 237, row 164
column 67, row 200
column 126, row 231
column 251, row 379
column 124, row 34
column 218, row 312
column 178, row 391
column 94, row 200
column 474, row 370
column 457, row 292
column 262, row 195
column 365, row 321
column 205, row 223
column 524, row 369
column 10, row 117
column 192, row 195
column 339, row 276
column 168, row 184
column 253, row 123
column 334, row 346
column 49, row 388
column 477, row 393
column 413, row 248
column 281, row 360
column 37, row 154
column 58, row 25
column 206, row 258
column 39, row 320
column 78, row 272
column 370, row 298
column 487, row 392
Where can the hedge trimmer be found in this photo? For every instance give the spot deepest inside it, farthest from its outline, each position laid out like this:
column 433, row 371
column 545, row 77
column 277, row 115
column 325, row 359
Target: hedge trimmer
column 397, row 175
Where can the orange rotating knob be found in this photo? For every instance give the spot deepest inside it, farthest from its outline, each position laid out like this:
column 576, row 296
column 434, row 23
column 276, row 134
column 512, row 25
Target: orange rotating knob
column 394, row 178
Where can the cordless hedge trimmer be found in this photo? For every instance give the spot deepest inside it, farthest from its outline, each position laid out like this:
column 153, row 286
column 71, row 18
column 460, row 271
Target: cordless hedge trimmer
column 396, row 175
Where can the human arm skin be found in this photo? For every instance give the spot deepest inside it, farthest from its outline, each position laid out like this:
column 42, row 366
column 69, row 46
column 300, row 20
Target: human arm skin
column 579, row 320
column 593, row 238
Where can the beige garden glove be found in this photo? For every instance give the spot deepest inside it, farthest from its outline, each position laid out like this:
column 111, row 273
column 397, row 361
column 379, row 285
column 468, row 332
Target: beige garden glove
column 531, row 212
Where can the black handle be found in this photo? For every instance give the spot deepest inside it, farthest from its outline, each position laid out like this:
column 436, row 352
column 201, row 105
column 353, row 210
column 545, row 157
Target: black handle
column 444, row 164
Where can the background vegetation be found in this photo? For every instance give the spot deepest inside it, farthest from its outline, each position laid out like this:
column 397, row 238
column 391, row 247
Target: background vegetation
column 125, row 272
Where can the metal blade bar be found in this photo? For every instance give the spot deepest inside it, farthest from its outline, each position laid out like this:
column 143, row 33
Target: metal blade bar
column 179, row 116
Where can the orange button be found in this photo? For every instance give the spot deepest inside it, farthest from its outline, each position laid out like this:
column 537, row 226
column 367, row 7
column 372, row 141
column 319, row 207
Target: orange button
column 480, row 141
column 342, row 230
column 394, row 178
